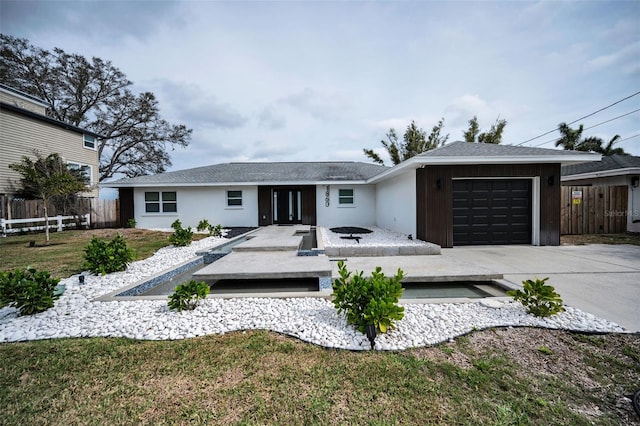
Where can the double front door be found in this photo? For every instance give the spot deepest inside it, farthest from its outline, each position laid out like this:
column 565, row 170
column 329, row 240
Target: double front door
column 287, row 206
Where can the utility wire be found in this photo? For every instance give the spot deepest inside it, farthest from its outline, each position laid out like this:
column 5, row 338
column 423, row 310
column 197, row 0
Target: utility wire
column 614, row 118
column 591, row 127
column 630, row 137
column 581, row 118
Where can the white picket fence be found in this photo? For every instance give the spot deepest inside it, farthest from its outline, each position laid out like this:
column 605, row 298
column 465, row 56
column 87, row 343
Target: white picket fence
column 55, row 222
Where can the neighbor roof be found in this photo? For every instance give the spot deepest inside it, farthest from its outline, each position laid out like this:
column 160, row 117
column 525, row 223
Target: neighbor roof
column 259, row 173
column 612, row 163
column 44, row 119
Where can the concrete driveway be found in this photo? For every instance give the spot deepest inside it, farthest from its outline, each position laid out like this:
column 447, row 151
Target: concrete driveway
column 600, row 279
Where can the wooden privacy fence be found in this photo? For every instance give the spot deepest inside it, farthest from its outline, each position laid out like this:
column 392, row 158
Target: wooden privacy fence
column 102, row 213
column 593, row 210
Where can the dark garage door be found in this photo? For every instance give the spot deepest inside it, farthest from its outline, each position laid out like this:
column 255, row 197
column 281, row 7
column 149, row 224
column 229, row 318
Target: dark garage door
column 491, row 212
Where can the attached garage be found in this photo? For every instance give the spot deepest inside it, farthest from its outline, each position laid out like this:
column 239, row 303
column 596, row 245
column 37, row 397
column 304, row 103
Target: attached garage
column 485, row 194
column 495, row 211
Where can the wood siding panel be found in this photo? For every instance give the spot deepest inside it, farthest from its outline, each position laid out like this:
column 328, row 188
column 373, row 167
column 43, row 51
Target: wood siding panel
column 309, row 205
column 126, row 205
column 434, row 215
column 265, row 208
column 20, row 136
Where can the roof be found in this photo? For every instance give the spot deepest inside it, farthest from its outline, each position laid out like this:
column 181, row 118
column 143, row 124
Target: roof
column 479, row 150
column 614, row 165
column 458, row 153
column 43, row 118
column 259, row 173
column 348, row 171
column 16, row 92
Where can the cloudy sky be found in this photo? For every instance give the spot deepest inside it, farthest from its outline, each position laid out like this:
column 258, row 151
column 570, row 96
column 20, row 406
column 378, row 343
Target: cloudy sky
column 311, row 81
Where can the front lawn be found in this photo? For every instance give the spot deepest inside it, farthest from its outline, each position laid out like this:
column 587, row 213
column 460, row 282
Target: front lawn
column 64, row 255
column 499, row 377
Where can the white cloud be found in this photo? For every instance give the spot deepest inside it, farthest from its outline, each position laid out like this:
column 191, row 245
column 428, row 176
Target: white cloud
column 327, row 106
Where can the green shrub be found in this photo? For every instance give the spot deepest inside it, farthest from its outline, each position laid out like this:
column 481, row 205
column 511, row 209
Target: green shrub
column 131, row 223
column 539, row 298
column 371, row 300
column 186, row 296
column 181, row 237
column 102, row 257
column 29, row 290
column 216, row 231
column 204, row 225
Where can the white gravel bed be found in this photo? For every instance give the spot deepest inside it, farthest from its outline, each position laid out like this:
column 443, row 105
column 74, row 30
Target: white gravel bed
column 313, row 320
column 380, row 237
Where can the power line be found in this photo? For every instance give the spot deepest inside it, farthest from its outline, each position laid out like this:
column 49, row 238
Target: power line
column 630, row 137
column 591, row 127
column 614, row 118
column 581, row 118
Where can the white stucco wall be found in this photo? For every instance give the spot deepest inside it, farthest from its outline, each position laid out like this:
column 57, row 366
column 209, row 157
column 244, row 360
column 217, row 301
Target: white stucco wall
column 362, row 213
column 195, row 204
column 396, row 203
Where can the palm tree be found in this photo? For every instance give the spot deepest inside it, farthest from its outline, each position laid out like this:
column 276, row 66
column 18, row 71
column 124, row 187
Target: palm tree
column 569, row 138
column 610, row 150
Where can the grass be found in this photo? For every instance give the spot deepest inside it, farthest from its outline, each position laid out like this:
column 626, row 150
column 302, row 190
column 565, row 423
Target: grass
column 495, row 377
column 64, row 255
column 260, row 377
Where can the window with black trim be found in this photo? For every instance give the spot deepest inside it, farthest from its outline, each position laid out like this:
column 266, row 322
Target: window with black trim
column 234, row 198
column 153, row 201
column 345, row 197
column 89, row 141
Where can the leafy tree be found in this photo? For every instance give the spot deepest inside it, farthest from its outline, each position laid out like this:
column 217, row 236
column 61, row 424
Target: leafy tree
column 471, row 135
column 493, row 135
column 47, row 178
column 95, row 95
column 415, row 141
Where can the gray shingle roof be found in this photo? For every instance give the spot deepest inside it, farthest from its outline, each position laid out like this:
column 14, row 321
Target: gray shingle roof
column 613, row 162
column 263, row 172
column 466, row 149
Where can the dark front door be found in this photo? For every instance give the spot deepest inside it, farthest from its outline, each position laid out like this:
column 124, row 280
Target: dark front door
column 491, row 211
column 287, row 206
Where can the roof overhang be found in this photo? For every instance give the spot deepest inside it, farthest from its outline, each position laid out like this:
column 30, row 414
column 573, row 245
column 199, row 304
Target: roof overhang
column 602, row 174
column 116, row 184
column 419, row 162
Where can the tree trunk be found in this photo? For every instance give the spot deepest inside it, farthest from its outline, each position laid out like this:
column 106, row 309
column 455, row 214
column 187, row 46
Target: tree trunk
column 46, row 220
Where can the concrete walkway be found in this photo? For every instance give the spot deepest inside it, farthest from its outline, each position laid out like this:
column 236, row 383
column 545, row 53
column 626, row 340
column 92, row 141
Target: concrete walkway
column 601, row 279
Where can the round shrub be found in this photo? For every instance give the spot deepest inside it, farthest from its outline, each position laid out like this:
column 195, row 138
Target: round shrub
column 29, row 290
column 187, row 296
column 102, row 257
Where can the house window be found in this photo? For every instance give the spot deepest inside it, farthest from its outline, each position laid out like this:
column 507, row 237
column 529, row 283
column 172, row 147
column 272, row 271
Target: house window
column 234, row 198
column 345, row 197
column 154, row 200
column 86, row 170
column 89, row 141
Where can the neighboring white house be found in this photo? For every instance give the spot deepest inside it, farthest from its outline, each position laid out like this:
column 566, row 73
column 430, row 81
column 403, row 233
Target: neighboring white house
column 459, row 194
column 614, row 170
